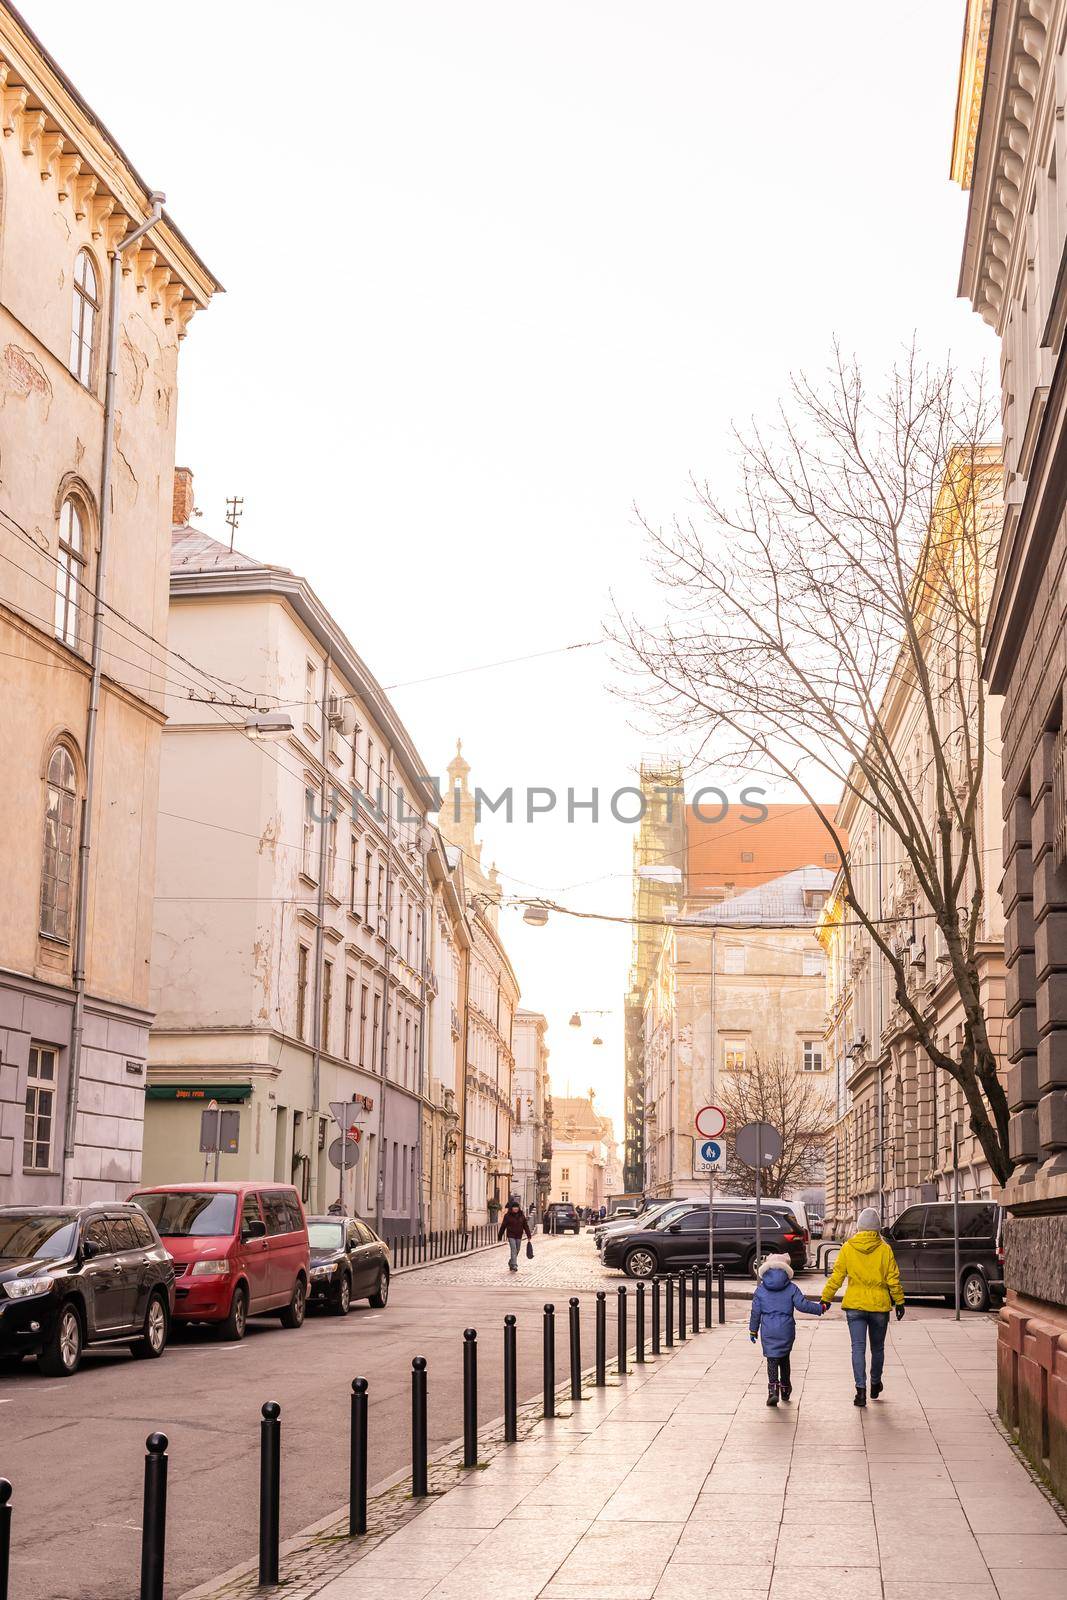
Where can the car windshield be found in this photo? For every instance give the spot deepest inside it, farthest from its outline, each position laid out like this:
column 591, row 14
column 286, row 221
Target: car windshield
column 182, row 1216
column 326, row 1235
column 668, row 1215
column 36, row 1235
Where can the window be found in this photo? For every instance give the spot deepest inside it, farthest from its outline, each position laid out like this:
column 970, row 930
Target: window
column 814, row 963
column 276, row 1211
column 249, row 1213
column 734, row 1055
column 40, row 1108
column 310, row 683
column 301, row 989
column 330, row 868
column 121, row 1229
column 813, row 1057
column 84, row 313
column 363, row 1025
column 747, row 855
column 350, row 1005
column 70, row 571
column 564, row 1194
column 564, row 1176
column 375, row 1029
column 694, row 1222
column 327, row 1003
column 733, row 958
column 95, row 1233
column 518, row 1109
column 145, row 1237
column 307, row 854
column 830, row 858
column 57, row 867
column 910, row 1224
column 353, row 876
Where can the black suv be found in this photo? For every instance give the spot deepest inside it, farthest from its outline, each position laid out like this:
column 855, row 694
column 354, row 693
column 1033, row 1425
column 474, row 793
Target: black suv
column 560, row 1217
column 672, row 1241
column 77, row 1275
column 922, row 1243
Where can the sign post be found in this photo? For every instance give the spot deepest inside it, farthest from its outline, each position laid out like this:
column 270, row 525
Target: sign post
column 710, row 1124
column 758, row 1145
column 349, row 1116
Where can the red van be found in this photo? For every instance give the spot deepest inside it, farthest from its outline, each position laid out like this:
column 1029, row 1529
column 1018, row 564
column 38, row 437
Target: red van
column 239, row 1249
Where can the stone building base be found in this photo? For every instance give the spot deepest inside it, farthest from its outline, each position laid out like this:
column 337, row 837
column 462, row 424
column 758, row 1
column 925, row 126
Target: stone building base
column 1032, row 1384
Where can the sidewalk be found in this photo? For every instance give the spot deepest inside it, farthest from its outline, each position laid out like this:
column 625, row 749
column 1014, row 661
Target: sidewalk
column 680, row 1479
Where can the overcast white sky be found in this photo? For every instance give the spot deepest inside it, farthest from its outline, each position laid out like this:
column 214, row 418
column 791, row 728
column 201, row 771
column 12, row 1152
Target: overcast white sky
column 494, row 273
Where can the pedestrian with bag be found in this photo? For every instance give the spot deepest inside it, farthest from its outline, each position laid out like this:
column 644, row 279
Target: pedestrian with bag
column 773, row 1320
column 514, row 1224
column 868, row 1262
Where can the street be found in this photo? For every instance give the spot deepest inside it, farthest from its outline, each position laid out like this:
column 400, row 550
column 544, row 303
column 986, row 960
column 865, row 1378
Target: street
column 206, row 1397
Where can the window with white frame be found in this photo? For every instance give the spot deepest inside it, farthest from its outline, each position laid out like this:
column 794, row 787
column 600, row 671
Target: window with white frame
column 733, row 958
column 70, row 571
column 41, row 1083
column 564, row 1174
column 60, row 827
column 307, row 853
column 735, row 1055
column 85, row 312
column 812, row 1060
column 310, row 697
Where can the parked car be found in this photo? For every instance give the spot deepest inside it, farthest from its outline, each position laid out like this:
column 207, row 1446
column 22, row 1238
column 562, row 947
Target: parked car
column 77, row 1275
column 348, row 1262
column 240, row 1250
column 560, row 1217
column 650, row 1208
column 674, row 1240
column 922, row 1241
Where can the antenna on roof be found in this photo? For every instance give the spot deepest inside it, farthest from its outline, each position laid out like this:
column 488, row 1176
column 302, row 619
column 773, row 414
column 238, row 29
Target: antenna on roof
column 235, row 510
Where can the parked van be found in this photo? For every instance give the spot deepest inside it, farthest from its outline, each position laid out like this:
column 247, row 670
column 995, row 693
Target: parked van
column 922, row 1240
column 239, row 1249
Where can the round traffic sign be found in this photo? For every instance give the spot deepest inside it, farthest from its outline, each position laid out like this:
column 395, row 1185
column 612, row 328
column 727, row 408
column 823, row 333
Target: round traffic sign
column 351, row 1156
column 711, row 1121
column 757, row 1144
column 710, row 1151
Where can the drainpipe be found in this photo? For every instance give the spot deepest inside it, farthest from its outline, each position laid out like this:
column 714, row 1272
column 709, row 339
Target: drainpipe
column 81, row 926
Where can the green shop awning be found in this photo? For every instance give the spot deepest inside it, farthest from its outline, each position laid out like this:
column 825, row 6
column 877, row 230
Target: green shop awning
column 224, row 1093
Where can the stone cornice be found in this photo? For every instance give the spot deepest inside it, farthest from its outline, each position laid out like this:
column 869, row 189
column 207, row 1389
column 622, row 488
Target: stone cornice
column 969, row 92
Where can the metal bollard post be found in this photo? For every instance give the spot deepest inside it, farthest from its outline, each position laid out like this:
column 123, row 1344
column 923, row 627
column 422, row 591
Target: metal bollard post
column 707, row 1297
column 153, row 1522
column 357, row 1476
column 620, row 1328
column 722, row 1295
column 418, row 1427
column 681, row 1307
column 601, row 1338
column 511, row 1400
column 655, row 1315
column 470, row 1397
column 576, row 1348
column 639, row 1325
column 270, row 1490
column 669, row 1301
column 696, row 1299
column 5, row 1536
column 549, row 1360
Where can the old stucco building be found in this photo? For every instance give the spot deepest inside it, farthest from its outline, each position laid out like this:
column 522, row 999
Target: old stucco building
column 448, row 964
column 531, row 1134
column 85, row 540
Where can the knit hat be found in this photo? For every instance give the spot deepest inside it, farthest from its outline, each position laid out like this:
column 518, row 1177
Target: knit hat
column 868, row 1221
column 782, row 1262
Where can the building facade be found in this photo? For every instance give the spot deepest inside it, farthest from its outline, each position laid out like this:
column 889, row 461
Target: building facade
column 292, row 897
column 531, row 1136
column 1009, row 149
column 85, row 537
column 448, row 964
column 580, row 1152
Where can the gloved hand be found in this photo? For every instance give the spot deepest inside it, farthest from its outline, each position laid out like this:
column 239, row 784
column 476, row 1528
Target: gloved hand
column 825, row 1308
column 900, row 1312
column 753, row 1337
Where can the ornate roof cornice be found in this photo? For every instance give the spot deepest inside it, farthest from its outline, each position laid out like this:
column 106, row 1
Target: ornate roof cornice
column 969, row 92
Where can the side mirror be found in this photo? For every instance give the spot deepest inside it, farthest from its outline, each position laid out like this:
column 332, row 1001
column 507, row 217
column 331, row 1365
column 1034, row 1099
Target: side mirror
column 89, row 1250
column 675, row 1227
column 256, row 1229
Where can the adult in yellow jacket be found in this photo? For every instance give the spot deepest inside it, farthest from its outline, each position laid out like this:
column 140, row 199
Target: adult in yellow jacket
column 870, row 1266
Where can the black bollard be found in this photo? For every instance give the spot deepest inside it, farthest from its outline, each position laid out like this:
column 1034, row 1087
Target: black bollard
column 549, row 1360
column 722, row 1294
column 153, row 1522
column 707, row 1297
column 576, row 1349
column 655, row 1315
column 639, row 1325
column 357, row 1476
column 681, row 1307
column 696, row 1299
column 270, row 1491
column 5, row 1536
column 669, row 1300
column 620, row 1328
column 601, row 1338
column 418, row 1427
column 470, row 1397
column 511, row 1399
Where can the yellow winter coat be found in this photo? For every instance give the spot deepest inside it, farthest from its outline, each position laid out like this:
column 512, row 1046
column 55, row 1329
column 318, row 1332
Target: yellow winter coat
column 871, row 1269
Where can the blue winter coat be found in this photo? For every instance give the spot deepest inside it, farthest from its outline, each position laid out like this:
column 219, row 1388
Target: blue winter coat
column 773, row 1307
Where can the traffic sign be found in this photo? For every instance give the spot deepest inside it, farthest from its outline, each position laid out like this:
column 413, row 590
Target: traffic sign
column 711, row 1157
column 758, row 1144
column 711, row 1121
column 351, row 1154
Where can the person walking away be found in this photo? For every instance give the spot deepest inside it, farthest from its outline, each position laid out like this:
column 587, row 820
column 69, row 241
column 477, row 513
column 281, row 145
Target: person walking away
column 868, row 1262
column 773, row 1319
column 514, row 1224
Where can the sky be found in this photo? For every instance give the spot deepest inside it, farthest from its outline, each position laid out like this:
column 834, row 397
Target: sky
column 496, row 275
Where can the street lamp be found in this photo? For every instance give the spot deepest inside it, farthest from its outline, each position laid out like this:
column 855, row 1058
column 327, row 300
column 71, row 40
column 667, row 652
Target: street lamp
column 268, row 724
column 536, row 916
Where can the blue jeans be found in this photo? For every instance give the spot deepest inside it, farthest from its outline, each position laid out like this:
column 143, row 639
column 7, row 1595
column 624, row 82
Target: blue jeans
column 860, row 1324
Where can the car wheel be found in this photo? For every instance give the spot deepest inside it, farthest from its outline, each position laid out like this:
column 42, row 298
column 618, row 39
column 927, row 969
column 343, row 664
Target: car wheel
column 975, row 1295
column 380, row 1297
column 153, row 1341
column 293, row 1315
column 62, row 1355
column 237, row 1320
column 640, row 1262
column 343, row 1298
column 751, row 1265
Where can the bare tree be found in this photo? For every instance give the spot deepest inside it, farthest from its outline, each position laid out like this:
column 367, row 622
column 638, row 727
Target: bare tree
column 853, row 567
column 798, row 1105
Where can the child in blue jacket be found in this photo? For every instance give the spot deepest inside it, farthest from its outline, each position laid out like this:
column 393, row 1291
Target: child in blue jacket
column 773, row 1306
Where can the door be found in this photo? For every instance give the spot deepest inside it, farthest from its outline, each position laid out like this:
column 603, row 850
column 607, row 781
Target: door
column 133, row 1265
column 735, row 1238
column 102, row 1275
column 976, row 1229
column 907, row 1242
column 365, row 1257
column 255, row 1254
column 278, row 1217
column 688, row 1247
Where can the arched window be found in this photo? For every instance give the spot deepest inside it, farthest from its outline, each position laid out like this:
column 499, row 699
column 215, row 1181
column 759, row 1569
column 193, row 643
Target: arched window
column 84, row 313
column 60, row 824
column 70, row 569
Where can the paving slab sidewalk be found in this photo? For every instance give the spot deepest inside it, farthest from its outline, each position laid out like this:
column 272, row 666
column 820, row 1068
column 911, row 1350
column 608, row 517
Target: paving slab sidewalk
column 681, row 1478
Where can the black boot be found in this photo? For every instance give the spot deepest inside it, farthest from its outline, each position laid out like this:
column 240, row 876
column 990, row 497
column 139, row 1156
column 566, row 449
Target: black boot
column 876, row 1389
column 772, row 1394
column 786, row 1390
column 860, row 1398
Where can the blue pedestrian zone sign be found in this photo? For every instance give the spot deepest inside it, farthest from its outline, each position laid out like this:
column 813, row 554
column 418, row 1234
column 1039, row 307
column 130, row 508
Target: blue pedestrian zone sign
column 711, row 1157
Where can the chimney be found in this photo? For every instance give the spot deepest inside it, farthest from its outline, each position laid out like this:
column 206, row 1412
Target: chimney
column 183, row 496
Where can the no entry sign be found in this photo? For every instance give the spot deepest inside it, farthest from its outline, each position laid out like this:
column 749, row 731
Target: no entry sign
column 710, row 1121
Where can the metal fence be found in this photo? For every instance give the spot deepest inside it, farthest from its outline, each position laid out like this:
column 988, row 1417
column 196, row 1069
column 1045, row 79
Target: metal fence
column 410, row 1249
